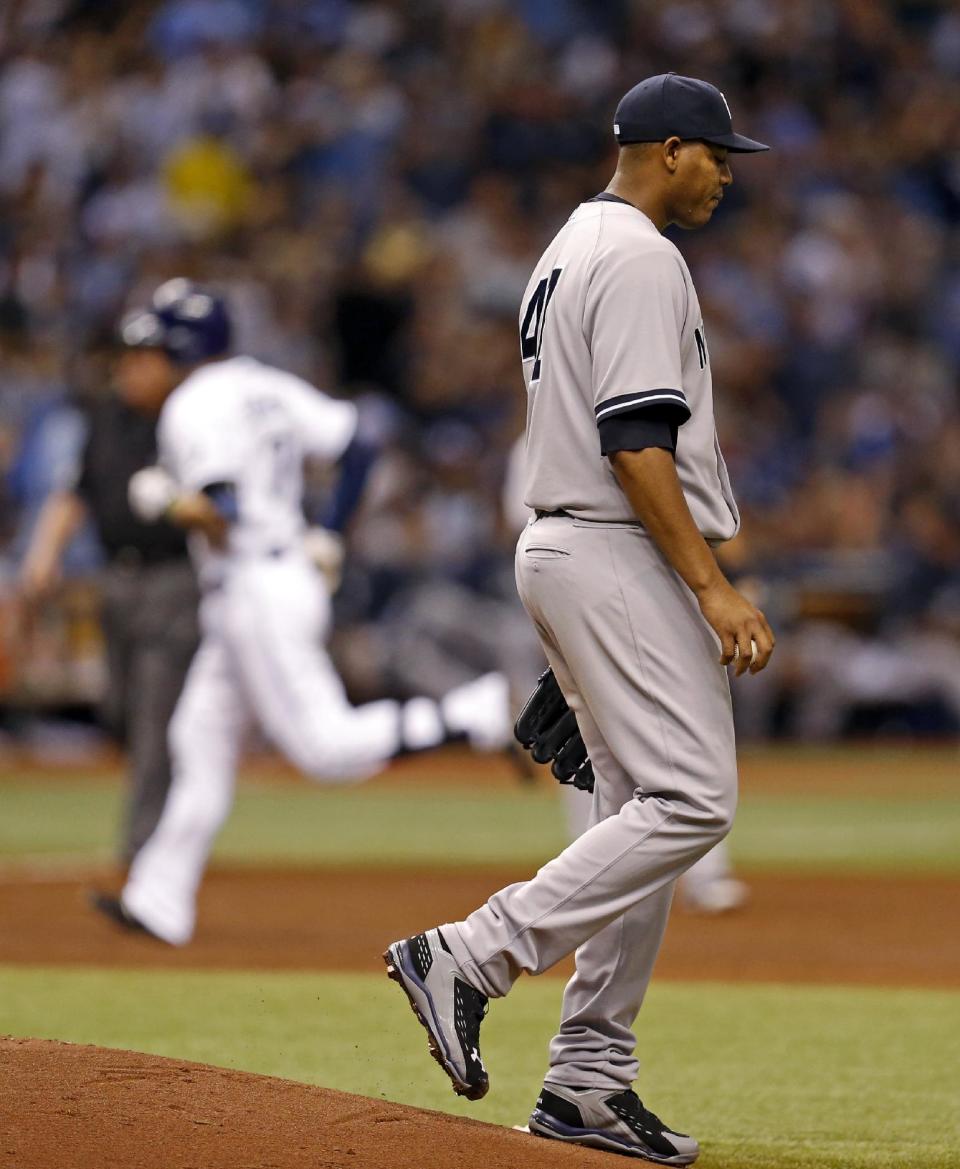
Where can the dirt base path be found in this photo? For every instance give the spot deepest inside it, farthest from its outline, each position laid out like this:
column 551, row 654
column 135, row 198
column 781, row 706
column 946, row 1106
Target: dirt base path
column 856, row 930
column 94, row 1108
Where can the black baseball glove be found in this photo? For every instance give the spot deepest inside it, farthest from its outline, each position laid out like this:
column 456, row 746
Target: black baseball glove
column 548, row 729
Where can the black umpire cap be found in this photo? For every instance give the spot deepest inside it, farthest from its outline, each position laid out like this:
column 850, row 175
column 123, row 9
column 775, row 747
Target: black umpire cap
column 670, row 105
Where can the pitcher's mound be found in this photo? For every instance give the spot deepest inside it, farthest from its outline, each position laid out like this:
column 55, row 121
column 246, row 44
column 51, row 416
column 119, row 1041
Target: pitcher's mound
column 62, row 1104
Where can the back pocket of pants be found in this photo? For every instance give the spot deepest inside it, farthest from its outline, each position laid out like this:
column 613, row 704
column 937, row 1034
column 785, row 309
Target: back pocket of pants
column 544, row 552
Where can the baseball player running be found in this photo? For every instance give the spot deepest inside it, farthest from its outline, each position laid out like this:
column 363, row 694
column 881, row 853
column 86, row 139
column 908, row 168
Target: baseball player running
column 232, row 437
column 636, row 619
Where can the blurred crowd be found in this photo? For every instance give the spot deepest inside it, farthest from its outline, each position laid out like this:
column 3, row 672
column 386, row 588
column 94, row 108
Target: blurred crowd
column 372, row 183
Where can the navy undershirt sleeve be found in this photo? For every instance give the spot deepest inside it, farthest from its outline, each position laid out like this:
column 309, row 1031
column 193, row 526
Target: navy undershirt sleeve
column 355, row 464
column 223, row 496
column 636, row 432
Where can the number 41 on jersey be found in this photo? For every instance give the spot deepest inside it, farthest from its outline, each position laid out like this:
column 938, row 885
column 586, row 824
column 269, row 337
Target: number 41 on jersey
column 534, row 319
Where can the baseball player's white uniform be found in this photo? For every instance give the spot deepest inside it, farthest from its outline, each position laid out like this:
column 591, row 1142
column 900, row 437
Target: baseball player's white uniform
column 264, row 613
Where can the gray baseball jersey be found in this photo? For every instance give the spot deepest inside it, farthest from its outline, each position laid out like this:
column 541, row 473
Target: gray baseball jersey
column 611, row 330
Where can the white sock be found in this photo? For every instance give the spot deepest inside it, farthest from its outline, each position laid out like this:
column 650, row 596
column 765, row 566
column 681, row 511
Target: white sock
column 421, row 724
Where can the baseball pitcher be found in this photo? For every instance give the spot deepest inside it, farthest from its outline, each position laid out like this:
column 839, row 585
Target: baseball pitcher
column 630, row 495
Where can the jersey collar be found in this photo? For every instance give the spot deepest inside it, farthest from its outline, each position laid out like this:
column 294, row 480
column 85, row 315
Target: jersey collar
column 607, row 197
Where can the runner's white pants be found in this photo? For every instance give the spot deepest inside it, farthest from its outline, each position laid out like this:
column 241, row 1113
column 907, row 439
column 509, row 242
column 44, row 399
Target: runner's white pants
column 261, row 660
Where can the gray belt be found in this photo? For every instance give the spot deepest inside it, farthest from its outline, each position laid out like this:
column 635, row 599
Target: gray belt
column 540, row 514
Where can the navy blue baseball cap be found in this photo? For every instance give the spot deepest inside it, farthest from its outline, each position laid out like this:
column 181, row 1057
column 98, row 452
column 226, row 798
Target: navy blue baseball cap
column 670, row 105
column 188, row 322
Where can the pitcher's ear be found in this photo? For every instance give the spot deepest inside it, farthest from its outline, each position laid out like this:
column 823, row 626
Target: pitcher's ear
column 671, row 152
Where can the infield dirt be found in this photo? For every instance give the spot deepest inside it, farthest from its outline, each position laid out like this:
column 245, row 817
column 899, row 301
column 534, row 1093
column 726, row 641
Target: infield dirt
column 890, row 931
column 94, row 1108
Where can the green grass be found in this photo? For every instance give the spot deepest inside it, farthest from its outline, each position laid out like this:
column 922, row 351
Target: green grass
column 863, row 835
column 294, row 824
column 76, row 817
column 768, row 1077
column 299, row 824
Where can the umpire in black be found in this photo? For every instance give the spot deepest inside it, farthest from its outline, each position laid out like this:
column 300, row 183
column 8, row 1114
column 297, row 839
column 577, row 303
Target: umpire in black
column 149, row 593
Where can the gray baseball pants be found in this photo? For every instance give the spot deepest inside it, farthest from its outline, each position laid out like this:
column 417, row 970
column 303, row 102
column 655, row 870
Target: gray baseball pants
column 639, row 665
column 150, row 626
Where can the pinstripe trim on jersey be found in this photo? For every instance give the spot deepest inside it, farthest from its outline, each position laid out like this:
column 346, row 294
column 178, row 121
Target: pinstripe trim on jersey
column 641, row 400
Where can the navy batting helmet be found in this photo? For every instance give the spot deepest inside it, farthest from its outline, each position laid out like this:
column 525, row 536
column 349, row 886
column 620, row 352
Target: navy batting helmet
column 188, row 322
